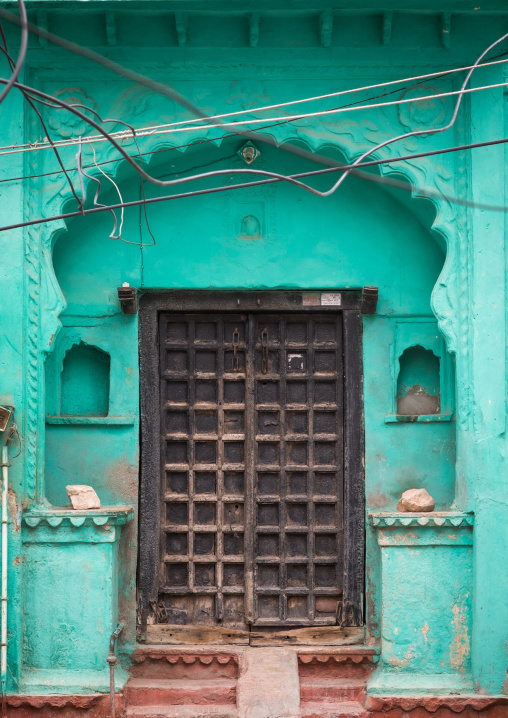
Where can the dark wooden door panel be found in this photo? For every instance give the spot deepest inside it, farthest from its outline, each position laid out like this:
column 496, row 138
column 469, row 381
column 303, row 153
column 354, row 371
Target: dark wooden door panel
column 252, row 476
column 252, row 482
column 298, row 543
column 202, row 366
column 251, row 496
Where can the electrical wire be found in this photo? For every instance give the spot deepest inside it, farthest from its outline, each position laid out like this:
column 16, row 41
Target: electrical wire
column 145, row 212
column 168, row 183
column 274, row 175
column 428, row 193
column 126, row 156
column 168, row 91
column 81, row 172
column 15, row 432
column 445, row 150
column 165, row 90
column 35, row 145
column 151, row 129
column 96, row 202
column 419, row 133
column 5, row 51
column 119, row 69
column 150, row 132
column 23, row 22
column 385, row 180
column 113, row 234
column 319, row 113
column 436, row 75
column 132, row 129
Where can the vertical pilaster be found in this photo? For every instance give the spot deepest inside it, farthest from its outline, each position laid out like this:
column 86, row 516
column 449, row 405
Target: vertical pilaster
column 483, row 446
column 11, row 331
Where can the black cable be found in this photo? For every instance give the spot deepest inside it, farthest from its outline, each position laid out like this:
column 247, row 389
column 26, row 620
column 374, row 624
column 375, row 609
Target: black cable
column 134, row 137
column 5, row 50
column 311, row 173
column 274, row 175
column 160, row 183
column 166, row 90
column 370, row 163
column 142, row 188
column 23, row 21
column 275, row 124
column 159, row 87
column 227, row 134
column 127, row 157
column 176, row 96
column 427, row 131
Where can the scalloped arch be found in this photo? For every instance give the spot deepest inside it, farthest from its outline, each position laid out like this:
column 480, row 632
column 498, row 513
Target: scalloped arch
column 350, row 139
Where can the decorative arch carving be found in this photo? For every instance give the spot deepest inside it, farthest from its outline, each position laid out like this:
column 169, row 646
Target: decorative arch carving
column 350, row 136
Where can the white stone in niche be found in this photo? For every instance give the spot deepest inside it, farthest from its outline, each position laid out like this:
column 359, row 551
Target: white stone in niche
column 83, row 497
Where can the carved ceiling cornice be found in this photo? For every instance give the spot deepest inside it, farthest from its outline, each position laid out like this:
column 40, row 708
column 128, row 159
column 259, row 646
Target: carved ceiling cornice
column 300, row 26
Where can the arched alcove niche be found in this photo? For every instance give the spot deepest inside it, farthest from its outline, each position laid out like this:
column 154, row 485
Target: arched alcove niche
column 274, row 236
column 418, row 383
column 271, row 236
column 365, row 234
column 84, row 382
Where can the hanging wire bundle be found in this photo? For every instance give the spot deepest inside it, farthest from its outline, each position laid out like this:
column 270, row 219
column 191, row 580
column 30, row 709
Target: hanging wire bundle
column 235, row 128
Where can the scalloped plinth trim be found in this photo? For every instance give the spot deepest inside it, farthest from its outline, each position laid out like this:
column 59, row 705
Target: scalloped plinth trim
column 338, row 658
column 83, row 702
column 139, row 656
column 432, row 704
column 434, row 519
column 109, row 515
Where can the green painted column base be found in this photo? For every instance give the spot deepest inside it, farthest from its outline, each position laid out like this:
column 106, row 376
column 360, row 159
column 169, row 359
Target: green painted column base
column 427, row 587
column 70, row 606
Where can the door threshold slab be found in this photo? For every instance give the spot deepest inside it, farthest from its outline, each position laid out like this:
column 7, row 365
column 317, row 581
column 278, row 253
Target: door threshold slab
column 171, row 635
column 321, row 636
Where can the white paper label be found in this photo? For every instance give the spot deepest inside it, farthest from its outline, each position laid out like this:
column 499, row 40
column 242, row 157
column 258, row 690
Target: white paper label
column 331, row 300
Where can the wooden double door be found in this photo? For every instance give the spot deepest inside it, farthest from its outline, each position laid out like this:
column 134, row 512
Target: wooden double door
column 247, row 478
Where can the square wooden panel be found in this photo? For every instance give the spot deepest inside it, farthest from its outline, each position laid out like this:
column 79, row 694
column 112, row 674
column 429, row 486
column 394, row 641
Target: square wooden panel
column 298, row 405
column 203, row 518
column 251, row 522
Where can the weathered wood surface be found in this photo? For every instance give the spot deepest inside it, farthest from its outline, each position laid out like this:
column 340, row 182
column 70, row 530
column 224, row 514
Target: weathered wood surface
column 188, row 635
column 324, row 636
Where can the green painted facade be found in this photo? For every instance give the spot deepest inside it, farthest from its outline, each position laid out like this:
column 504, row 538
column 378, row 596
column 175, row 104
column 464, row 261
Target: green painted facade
column 436, row 594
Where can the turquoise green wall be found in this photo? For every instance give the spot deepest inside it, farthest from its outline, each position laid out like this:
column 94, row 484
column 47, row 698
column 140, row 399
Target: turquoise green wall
column 364, row 235
column 358, row 237
column 427, row 570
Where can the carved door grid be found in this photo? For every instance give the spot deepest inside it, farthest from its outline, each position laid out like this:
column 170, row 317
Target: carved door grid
column 252, row 512
column 251, row 519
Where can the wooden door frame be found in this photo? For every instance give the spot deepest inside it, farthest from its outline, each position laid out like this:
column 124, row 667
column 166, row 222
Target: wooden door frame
column 349, row 303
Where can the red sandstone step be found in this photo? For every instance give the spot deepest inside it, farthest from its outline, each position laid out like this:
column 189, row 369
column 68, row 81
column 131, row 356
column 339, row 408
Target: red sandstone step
column 336, row 665
column 216, row 711
column 347, row 709
column 154, row 662
column 331, row 690
column 160, row 692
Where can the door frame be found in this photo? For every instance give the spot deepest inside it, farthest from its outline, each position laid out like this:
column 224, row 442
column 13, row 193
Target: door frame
column 350, row 304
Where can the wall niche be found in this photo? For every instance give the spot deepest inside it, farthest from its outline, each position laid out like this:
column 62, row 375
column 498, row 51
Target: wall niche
column 84, row 381
column 418, row 385
column 422, row 372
